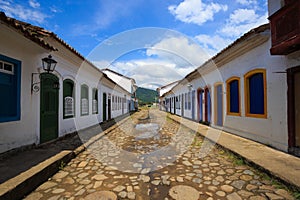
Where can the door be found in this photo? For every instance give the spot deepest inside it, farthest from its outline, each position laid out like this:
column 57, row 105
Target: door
column 48, row 107
column 219, row 105
column 297, row 108
column 109, row 107
column 193, row 105
column 293, row 80
column 174, row 104
column 207, row 106
column 182, row 105
column 200, row 108
column 104, row 106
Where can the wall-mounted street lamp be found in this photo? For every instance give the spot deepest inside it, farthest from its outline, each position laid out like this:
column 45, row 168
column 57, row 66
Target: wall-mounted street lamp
column 49, row 65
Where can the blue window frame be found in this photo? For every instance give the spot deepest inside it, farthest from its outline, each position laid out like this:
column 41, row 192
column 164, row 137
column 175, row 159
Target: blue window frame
column 10, row 88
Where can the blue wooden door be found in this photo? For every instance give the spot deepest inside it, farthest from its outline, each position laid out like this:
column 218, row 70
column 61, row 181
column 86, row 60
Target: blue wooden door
column 200, row 106
column 219, row 99
column 207, row 106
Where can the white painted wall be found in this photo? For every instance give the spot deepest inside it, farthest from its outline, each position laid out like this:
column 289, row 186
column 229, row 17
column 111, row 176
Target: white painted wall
column 23, row 132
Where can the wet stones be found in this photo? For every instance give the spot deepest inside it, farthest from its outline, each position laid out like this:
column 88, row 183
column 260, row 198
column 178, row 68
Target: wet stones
column 183, row 192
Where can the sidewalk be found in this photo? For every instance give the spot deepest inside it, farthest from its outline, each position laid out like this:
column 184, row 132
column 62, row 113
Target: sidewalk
column 23, row 171
column 279, row 164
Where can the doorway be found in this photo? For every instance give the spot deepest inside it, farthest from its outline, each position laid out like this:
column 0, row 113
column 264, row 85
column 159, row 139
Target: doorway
column 49, row 107
column 207, row 104
column 293, row 79
column 104, row 106
column 182, row 105
column 219, row 105
column 200, row 105
column 109, row 106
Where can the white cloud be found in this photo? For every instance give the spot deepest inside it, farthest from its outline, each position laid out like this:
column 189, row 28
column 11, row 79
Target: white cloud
column 241, row 21
column 148, row 73
column 34, row 4
column 195, row 11
column 21, row 12
column 247, row 2
column 180, row 51
column 213, row 43
column 243, row 16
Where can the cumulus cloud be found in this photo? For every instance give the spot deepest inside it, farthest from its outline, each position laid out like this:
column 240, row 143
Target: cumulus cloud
column 27, row 14
column 241, row 21
column 213, row 43
column 148, row 73
column 34, row 4
column 247, row 2
column 179, row 50
column 195, row 11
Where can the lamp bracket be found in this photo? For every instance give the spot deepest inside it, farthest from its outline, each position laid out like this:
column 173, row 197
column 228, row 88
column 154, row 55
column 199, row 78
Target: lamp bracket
column 35, row 85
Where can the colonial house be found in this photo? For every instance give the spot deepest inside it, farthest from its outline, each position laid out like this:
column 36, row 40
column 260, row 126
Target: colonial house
column 242, row 90
column 165, row 105
column 40, row 103
column 284, row 16
column 127, row 83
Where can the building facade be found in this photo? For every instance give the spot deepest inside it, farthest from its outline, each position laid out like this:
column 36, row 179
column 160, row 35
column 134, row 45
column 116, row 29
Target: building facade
column 127, row 83
column 284, row 16
column 37, row 106
column 242, row 90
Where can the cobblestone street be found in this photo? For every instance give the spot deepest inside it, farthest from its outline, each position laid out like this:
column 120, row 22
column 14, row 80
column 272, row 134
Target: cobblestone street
column 149, row 156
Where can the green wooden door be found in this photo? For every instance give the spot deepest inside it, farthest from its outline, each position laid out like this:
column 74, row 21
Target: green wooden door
column 49, row 108
column 104, row 107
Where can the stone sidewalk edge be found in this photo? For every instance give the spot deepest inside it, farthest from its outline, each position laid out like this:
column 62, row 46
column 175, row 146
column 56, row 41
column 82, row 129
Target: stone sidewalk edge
column 19, row 186
column 269, row 171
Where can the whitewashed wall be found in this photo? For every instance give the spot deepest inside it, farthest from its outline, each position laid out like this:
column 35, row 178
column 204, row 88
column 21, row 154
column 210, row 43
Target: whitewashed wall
column 24, row 131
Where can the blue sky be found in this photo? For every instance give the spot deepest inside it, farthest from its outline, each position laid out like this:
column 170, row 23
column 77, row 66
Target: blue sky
column 153, row 41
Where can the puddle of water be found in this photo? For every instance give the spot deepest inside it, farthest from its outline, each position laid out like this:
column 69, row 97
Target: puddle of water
column 146, row 131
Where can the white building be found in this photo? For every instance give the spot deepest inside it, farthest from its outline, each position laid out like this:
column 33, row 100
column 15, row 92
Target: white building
column 165, row 105
column 127, row 83
column 36, row 106
column 284, row 16
column 241, row 90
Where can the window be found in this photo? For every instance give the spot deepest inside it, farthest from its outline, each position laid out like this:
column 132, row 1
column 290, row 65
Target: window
column 10, row 87
column 233, row 96
column 95, row 101
column 84, row 100
column 68, row 99
column 255, row 93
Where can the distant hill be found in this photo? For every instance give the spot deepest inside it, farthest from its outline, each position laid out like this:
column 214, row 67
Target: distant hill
column 145, row 96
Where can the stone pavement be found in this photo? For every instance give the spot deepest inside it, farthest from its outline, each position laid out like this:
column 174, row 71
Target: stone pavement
column 157, row 158
column 23, row 170
column 282, row 165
